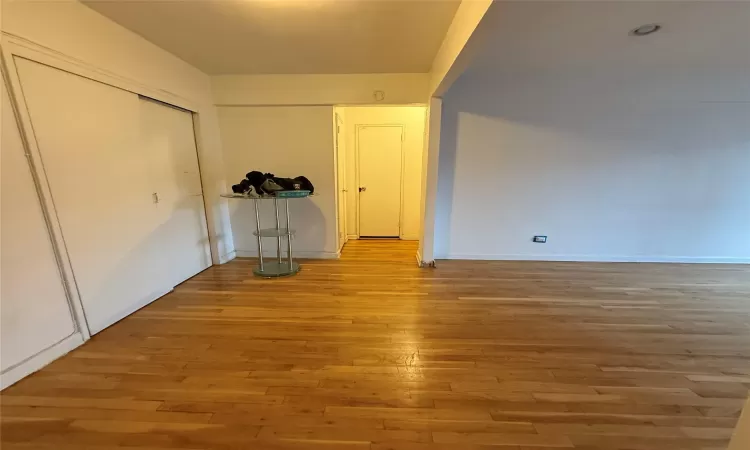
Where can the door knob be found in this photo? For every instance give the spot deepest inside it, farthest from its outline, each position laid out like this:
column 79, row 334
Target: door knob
column 362, row 189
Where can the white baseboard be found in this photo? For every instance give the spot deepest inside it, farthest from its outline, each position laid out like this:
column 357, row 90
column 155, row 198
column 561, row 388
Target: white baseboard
column 598, row 258
column 419, row 258
column 41, row 359
column 227, row 257
column 296, row 254
column 352, row 236
column 113, row 319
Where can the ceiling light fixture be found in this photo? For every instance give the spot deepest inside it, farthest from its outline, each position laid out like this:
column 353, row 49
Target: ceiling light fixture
column 645, row 30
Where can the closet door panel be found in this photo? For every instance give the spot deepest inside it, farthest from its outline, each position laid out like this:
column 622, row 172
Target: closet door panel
column 187, row 239
column 89, row 139
column 167, row 134
column 34, row 310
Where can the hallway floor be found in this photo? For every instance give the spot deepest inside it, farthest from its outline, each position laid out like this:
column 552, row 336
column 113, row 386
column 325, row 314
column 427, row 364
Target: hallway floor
column 370, row 352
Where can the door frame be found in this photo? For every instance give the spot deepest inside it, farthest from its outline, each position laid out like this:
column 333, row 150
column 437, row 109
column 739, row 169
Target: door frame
column 339, row 134
column 358, row 128
column 16, row 47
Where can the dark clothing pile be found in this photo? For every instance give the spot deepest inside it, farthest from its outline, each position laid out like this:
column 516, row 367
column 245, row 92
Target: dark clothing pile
column 257, row 184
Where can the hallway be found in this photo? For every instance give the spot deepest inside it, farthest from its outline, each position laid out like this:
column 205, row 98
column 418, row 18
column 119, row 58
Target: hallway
column 370, row 352
column 381, row 250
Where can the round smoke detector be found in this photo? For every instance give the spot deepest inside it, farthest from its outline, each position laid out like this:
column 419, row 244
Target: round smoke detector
column 645, row 30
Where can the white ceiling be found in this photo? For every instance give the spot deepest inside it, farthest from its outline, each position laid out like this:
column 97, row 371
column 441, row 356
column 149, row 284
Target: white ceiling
column 290, row 36
column 555, row 36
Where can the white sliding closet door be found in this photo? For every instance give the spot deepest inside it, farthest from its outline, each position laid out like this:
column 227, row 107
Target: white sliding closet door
column 167, row 135
column 88, row 134
column 34, row 309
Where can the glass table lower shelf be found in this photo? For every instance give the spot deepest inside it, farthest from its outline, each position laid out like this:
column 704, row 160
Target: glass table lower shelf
column 275, row 269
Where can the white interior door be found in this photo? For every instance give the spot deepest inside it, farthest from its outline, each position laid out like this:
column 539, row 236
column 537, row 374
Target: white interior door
column 34, row 309
column 89, row 140
column 167, row 134
column 379, row 166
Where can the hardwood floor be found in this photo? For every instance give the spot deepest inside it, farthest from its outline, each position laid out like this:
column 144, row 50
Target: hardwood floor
column 370, row 352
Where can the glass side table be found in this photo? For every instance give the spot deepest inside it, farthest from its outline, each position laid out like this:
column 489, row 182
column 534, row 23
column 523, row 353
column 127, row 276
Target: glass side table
column 280, row 267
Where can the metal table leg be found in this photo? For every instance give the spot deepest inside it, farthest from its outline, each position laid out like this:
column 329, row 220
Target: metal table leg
column 281, row 267
column 288, row 238
column 278, row 230
column 260, row 241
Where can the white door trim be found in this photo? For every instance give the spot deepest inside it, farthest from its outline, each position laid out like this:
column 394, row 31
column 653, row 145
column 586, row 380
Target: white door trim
column 356, row 173
column 17, row 47
column 39, row 176
column 339, row 134
column 80, row 333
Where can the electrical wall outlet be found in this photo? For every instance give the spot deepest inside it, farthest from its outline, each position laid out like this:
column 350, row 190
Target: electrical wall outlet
column 540, row 239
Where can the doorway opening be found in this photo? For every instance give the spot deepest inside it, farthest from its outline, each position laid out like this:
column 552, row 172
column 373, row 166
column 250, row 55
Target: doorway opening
column 378, row 157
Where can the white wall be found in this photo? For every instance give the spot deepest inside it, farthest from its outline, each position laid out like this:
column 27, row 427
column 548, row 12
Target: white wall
column 413, row 120
column 352, row 89
column 430, row 167
column 82, row 35
column 302, row 91
column 638, row 166
column 286, row 141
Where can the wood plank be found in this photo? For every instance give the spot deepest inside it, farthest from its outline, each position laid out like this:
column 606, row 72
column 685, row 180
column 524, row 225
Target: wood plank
column 462, row 438
column 96, row 403
column 370, row 352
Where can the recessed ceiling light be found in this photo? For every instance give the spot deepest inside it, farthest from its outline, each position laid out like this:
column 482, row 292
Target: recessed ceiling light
column 645, row 30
